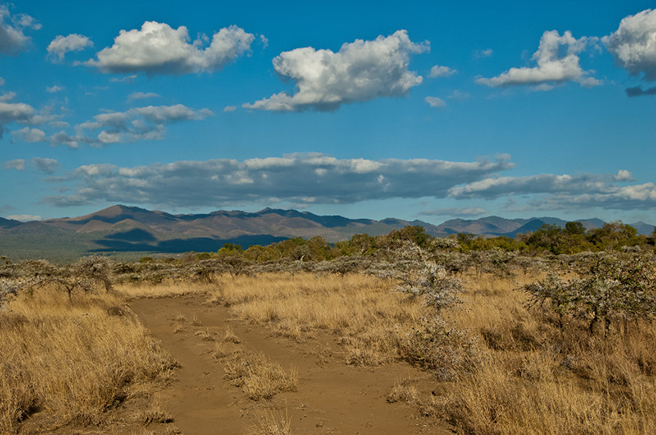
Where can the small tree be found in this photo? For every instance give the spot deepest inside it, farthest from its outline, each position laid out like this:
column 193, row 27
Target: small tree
column 614, row 289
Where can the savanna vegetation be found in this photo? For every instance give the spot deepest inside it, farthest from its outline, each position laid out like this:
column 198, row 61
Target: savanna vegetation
column 550, row 332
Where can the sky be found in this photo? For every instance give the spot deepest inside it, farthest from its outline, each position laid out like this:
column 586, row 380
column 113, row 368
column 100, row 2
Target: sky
column 365, row 109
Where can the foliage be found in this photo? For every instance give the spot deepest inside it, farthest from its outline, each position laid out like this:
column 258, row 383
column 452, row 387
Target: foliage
column 613, row 288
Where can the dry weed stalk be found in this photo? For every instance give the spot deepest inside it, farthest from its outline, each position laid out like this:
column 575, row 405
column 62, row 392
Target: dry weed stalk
column 272, row 423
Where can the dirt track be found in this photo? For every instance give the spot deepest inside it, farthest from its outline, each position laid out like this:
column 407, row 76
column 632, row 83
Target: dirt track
column 332, row 397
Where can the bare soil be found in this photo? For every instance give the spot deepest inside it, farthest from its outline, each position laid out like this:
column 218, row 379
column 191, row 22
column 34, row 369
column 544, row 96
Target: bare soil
column 332, row 397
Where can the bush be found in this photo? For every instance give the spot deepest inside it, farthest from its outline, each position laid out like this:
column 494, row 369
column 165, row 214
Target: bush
column 613, row 289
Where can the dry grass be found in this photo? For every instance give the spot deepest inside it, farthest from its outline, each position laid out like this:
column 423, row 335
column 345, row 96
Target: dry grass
column 368, row 317
column 404, row 392
column 509, row 370
column 259, row 377
column 162, row 290
column 534, row 378
column 75, row 359
column 271, row 423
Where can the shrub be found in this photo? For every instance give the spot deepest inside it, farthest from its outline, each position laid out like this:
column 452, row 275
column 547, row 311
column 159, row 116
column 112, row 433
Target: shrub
column 613, row 289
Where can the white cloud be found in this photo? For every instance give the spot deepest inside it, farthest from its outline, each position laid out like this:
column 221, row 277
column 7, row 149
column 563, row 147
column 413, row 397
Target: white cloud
column 14, row 112
column 7, row 97
column 229, row 109
column 481, row 54
column 127, row 79
column 435, row 102
column 552, row 192
column 142, row 95
column 359, row 71
column 441, row 71
column 12, row 38
column 139, row 123
column 294, row 177
column 54, row 88
column 2, row 81
column 264, row 41
column 30, row 135
column 633, row 45
column 19, row 112
column 45, row 165
column 553, row 66
column 61, row 45
column 17, row 164
column 542, row 183
column 159, row 49
column 623, row 175
column 61, row 138
column 24, row 217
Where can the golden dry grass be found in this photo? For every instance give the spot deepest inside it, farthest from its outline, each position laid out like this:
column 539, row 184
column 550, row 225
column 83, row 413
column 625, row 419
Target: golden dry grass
column 75, row 359
column 368, row 317
column 535, row 379
column 259, row 377
column 162, row 290
column 509, row 369
column 270, row 422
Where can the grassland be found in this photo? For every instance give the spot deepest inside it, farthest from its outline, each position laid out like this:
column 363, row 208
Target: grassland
column 494, row 365
column 72, row 359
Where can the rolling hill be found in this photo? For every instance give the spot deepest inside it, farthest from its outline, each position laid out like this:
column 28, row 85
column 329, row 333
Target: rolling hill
column 133, row 231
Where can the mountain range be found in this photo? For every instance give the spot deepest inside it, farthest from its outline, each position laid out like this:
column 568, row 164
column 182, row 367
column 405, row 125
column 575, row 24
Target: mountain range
column 130, row 232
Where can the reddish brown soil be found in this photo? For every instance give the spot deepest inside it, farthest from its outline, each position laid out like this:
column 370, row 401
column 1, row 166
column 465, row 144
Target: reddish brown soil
column 332, row 397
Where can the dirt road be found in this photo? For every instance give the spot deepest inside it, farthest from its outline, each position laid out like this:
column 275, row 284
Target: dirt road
column 331, row 397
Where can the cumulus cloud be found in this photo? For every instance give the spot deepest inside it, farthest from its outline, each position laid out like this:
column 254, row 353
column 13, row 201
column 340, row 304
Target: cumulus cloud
column 7, row 97
column 17, row 164
column 12, row 38
column 229, row 109
column 551, row 191
column 142, row 95
column 359, row 71
column 301, row 178
column 633, row 45
column 61, row 45
column 159, row 49
column 139, row 123
column 62, row 138
column 553, row 65
column 623, row 175
column 441, row 71
column 435, row 102
column 14, row 112
column 45, row 165
column 30, row 135
column 10, row 112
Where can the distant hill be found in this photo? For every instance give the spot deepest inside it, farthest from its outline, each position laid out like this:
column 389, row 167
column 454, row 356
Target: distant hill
column 133, row 231
column 8, row 223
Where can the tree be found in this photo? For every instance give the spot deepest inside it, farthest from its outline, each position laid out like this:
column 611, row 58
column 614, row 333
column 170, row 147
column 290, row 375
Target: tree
column 574, row 228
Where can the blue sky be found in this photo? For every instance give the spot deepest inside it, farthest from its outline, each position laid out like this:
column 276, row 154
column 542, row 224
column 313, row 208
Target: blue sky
column 415, row 110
